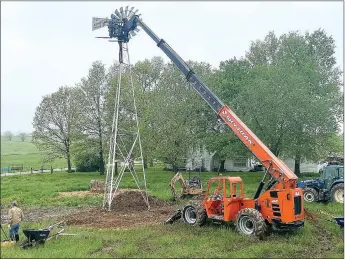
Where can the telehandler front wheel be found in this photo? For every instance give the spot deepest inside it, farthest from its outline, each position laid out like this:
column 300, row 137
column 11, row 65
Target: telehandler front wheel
column 250, row 222
column 194, row 214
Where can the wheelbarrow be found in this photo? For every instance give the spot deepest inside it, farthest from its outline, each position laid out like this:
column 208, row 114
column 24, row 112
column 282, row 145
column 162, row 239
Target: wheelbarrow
column 39, row 236
column 34, row 237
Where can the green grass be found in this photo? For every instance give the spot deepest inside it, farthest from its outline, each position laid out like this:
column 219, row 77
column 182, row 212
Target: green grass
column 41, row 189
column 320, row 239
column 179, row 240
column 26, row 153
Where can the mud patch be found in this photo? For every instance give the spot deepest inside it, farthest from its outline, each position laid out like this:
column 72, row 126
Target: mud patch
column 128, row 210
column 107, row 247
column 39, row 214
column 79, row 194
column 309, row 215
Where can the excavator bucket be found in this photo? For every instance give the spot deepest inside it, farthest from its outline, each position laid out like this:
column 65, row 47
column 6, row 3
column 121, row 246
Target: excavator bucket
column 174, row 217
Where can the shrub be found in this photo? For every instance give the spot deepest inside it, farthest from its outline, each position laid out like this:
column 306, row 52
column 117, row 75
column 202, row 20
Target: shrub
column 87, row 162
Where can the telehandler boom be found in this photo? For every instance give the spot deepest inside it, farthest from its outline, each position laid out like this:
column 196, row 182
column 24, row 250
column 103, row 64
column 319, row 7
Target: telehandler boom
column 280, row 205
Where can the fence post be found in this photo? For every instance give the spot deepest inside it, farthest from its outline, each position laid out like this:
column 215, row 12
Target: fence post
column 42, row 169
column 31, row 170
column 51, row 169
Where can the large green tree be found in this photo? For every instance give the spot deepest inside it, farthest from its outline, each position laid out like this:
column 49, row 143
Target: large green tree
column 92, row 92
column 292, row 97
column 147, row 75
column 227, row 82
column 54, row 123
column 177, row 114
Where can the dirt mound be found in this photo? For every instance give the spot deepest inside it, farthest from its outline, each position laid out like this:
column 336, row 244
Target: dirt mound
column 134, row 201
column 128, row 210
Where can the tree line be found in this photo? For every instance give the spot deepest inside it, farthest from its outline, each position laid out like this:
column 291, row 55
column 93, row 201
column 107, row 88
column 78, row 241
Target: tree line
column 8, row 135
column 286, row 89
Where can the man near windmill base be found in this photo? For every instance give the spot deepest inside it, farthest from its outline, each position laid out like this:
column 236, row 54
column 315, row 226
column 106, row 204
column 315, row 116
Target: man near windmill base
column 15, row 217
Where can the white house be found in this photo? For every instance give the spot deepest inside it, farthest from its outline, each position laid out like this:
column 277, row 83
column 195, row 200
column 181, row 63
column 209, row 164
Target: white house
column 200, row 157
column 305, row 167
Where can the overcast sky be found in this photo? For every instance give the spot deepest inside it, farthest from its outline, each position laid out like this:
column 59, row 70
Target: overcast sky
column 45, row 45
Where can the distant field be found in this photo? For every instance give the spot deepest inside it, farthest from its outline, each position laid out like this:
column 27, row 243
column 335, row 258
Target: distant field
column 26, row 153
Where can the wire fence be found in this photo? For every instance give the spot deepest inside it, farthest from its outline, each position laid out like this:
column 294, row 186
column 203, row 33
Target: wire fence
column 25, row 169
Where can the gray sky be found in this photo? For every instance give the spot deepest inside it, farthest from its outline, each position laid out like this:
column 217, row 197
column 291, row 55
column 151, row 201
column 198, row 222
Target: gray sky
column 45, row 45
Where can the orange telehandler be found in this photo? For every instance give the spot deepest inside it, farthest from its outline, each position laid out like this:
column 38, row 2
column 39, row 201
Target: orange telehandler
column 280, row 205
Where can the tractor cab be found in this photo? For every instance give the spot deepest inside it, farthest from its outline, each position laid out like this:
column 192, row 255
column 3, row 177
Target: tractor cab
column 332, row 172
column 330, row 185
column 223, row 197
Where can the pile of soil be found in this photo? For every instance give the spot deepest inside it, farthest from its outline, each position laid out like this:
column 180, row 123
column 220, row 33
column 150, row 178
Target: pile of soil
column 128, row 210
column 133, row 200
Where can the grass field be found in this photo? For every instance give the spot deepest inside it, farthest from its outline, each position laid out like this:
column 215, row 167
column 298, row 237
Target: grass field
column 26, row 153
column 319, row 239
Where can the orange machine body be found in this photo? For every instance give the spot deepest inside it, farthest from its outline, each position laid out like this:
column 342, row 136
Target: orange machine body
column 285, row 177
column 284, row 208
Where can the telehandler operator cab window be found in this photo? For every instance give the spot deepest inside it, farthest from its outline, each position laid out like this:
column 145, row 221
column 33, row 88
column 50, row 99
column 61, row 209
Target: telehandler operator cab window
column 233, row 190
column 216, row 190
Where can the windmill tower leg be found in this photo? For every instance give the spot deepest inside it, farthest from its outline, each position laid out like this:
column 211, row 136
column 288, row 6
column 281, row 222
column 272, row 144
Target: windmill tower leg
column 118, row 153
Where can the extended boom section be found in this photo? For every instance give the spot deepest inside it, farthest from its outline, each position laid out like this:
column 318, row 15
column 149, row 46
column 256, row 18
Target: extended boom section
column 281, row 173
column 211, row 99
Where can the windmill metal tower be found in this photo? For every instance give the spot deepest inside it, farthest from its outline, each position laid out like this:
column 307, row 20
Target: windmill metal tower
column 124, row 143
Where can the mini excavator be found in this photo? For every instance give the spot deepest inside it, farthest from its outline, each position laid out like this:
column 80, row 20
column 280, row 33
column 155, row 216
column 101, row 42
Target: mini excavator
column 277, row 203
column 189, row 188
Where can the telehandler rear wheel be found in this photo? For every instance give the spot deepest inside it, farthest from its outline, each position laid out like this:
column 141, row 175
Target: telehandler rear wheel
column 250, row 222
column 194, row 214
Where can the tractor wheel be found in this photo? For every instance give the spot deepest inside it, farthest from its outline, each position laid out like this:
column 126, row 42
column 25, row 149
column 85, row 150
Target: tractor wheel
column 194, row 214
column 250, row 222
column 310, row 195
column 337, row 193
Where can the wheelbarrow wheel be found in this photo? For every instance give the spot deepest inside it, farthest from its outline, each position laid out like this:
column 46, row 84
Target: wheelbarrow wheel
column 26, row 244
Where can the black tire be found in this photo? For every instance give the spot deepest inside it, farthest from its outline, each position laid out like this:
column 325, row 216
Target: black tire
column 194, row 214
column 250, row 222
column 310, row 195
column 337, row 193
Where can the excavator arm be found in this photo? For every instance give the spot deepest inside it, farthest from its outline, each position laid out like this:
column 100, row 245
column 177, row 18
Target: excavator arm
column 177, row 177
column 189, row 187
column 282, row 176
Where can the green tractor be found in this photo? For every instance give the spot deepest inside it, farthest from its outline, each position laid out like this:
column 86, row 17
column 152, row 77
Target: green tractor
column 329, row 187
